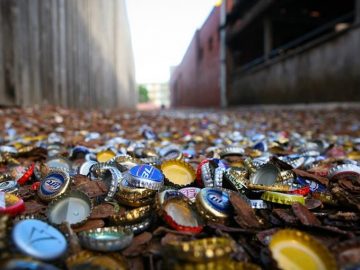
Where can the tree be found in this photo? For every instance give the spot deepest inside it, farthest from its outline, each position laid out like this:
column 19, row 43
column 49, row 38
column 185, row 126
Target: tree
column 143, row 94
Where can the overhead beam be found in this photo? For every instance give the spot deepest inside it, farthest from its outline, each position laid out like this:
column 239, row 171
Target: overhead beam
column 250, row 16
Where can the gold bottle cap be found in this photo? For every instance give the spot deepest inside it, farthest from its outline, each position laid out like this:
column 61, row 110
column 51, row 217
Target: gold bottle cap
column 131, row 216
column 213, row 204
column 296, row 250
column 222, row 264
column 281, row 198
column 54, row 184
column 281, row 188
column 178, row 173
column 104, row 156
column 355, row 155
column 201, row 250
column 126, row 162
column 134, row 196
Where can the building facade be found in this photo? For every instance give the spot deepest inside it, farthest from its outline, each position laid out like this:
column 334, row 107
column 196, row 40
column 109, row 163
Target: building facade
column 159, row 93
column 195, row 81
column 74, row 53
column 275, row 51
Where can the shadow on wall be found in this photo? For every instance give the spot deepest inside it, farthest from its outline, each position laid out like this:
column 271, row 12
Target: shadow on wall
column 72, row 53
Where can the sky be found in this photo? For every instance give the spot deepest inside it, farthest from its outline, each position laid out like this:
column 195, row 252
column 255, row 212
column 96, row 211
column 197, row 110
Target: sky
column 161, row 31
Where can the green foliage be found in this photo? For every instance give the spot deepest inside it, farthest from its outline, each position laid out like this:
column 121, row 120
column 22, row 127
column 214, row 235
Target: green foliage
column 143, row 94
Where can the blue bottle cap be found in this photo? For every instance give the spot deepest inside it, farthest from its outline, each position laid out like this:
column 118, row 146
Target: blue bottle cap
column 26, row 264
column 54, row 184
column 9, row 186
column 39, row 239
column 79, row 150
column 261, row 146
column 146, row 176
column 214, row 202
column 146, row 172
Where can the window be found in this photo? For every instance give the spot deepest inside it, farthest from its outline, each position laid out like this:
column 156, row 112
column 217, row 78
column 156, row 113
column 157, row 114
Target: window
column 210, row 43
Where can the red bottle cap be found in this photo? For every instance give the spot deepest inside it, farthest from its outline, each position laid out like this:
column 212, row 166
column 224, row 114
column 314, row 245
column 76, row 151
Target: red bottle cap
column 29, row 172
column 198, row 173
column 11, row 204
column 181, row 216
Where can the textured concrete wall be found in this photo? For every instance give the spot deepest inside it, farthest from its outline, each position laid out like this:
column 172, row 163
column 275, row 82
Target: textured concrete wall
column 326, row 71
column 195, row 82
column 74, row 53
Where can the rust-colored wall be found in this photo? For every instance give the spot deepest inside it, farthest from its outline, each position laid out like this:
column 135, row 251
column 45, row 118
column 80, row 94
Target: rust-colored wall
column 195, row 82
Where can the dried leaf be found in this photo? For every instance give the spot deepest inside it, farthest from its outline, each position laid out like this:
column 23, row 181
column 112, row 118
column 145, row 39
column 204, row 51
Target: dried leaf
column 304, row 215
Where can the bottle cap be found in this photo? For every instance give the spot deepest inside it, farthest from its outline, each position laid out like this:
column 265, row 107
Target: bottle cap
column 22, row 174
column 112, row 177
column 199, row 172
column 73, row 207
column 131, row 192
column 59, row 162
column 300, row 190
column 286, row 176
column 294, row 249
column 180, row 214
column 9, row 187
column 39, row 239
column 106, row 239
column 125, row 163
column 55, row 183
column 25, row 264
column 229, row 151
column 139, row 227
column 79, row 150
column 202, row 250
column 248, row 162
column 163, row 196
column 131, row 216
column 266, row 175
column 85, row 168
column 146, row 176
column 206, row 176
column 281, row 198
column 349, row 170
column 213, row 204
column 259, row 204
column 354, row 155
column 11, row 204
column 104, row 156
column 224, row 263
column 179, row 173
column 190, row 192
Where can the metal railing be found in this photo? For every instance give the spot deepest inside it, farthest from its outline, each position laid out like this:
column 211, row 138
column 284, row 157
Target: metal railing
column 310, row 36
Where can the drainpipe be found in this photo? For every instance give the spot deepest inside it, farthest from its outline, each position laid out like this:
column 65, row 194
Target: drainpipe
column 223, row 98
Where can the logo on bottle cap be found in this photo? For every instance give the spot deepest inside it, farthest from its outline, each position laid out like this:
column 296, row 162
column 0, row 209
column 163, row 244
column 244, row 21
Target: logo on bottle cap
column 54, row 184
column 147, row 172
column 218, row 200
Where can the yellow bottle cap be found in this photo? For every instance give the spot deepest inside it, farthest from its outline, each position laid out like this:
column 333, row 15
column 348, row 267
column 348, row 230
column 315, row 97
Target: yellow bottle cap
column 104, row 156
column 296, row 250
column 281, row 198
column 178, row 172
column 201, row 250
